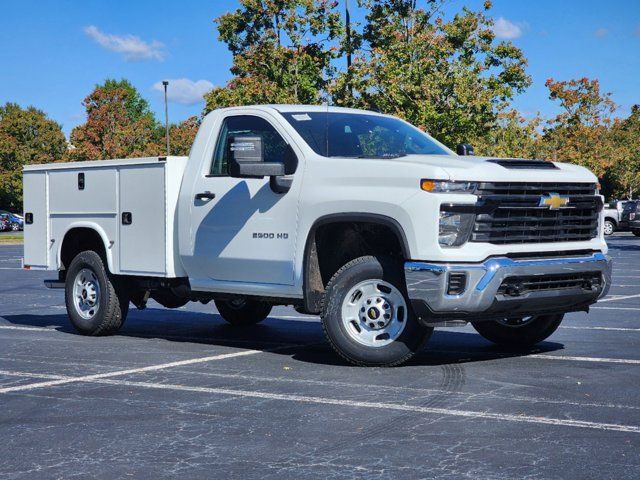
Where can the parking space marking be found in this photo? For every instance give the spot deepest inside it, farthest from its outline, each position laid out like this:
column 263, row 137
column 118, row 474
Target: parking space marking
column 618, row 297
column 612, row 329
column 382, row 406
column 520, row 418
column 627, row 361
column 334, row 383
column 615, row 308
column 28, row 329
column 150, row 368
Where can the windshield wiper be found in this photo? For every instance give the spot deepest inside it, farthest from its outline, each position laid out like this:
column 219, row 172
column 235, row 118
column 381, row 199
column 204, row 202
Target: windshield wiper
column 386, row 155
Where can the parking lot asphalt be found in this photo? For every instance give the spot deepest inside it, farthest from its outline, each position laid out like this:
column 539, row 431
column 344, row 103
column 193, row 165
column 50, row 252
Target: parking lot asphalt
column 179, row 393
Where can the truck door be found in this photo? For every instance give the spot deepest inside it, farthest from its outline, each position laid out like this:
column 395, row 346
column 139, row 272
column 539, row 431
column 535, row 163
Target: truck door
column 241, row 230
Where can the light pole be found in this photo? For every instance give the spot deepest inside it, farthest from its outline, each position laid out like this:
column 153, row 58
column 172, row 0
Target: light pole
column 166, row 115
column 347, row 21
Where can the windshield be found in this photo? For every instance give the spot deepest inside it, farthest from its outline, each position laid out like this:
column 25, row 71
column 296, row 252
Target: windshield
column 335, row 134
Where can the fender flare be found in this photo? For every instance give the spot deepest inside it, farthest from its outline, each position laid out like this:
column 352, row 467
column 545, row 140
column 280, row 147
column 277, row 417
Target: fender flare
column 311, row 295
column 101, row 233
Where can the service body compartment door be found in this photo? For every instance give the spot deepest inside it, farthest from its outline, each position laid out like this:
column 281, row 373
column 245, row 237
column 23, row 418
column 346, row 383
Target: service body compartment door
column 36, row 241
column 142, row 220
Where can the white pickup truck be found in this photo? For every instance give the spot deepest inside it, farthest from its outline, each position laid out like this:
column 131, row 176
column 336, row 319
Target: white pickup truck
column 355, row 216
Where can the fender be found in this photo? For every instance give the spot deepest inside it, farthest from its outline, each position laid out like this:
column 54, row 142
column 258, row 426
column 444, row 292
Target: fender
column 96, row 228
column 311, row 293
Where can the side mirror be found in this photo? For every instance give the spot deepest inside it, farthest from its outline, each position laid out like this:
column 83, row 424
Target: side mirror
column 247, row 159
column 464, row 149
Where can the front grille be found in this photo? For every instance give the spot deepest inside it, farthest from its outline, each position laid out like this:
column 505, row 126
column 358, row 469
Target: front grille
column 510, row 213
column 515, row 286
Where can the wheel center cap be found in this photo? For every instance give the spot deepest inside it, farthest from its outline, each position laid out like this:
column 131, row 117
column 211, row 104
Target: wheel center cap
column 373, row 313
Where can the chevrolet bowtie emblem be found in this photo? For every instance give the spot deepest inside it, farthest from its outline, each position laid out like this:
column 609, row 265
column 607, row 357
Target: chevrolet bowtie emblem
column 553, row 201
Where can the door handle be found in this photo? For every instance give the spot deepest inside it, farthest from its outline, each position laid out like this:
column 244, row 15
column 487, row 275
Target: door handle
column 205, row 196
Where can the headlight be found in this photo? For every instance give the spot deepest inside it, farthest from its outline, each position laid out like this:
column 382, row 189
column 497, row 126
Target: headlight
column 454, row 228
column 445, row 186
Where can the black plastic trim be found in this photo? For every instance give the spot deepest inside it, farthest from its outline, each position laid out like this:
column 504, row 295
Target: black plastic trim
column 311, row 303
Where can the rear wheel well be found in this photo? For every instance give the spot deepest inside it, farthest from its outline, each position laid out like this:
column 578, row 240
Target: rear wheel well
column 331, row 245
column 78, row 240
column 612, row 220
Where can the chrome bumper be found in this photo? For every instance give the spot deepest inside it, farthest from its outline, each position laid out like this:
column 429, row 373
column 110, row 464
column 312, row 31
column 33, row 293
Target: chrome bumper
column 427, row 285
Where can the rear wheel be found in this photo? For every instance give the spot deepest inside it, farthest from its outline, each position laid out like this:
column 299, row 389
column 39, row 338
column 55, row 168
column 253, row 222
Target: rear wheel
column 366, row 316
column 519, row 332
column 242, row 312
column 15, row 227
column 97, row 303
column 609, row 227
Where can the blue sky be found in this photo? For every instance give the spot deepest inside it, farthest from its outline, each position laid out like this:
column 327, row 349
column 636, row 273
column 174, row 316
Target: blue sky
column 52, row 53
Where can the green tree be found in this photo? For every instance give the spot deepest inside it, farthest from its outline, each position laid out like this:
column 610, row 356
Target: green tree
column 27, row 136
column 448, row 77
column 512, row 136
column 580, row 133
column 625, row 173
column 182, row 136
column 119, row 124
column 282, row 51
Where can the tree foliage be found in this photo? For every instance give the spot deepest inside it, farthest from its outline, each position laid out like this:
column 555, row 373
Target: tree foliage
column 27, row 137
column 580, row 133
column 282, row 52
column 447, row 77
column 119, row 124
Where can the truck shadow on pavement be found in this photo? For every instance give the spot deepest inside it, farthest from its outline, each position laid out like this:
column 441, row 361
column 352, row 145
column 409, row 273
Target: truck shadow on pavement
column 300, row 340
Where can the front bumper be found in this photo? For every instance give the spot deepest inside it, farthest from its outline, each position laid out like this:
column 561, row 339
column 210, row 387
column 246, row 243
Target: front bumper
column 634, row 225
column 484, row 296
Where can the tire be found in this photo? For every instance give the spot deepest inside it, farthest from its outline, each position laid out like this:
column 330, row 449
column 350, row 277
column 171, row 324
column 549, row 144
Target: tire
column 384, row 334
column 508, row 333
column 636, row 232
column 241, row 312
column 97, row 303
column 609, row 227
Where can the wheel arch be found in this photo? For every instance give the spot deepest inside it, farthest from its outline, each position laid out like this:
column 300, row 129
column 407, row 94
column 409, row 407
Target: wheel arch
column 313, row 286
column 79, row 234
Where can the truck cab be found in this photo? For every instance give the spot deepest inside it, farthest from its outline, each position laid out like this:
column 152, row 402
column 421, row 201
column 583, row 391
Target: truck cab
column 355, row 216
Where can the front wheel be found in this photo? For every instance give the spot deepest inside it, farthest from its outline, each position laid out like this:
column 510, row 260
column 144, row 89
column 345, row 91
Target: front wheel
column 242, row 312
column 609, row 227
column 97, row 303
column 366, row 316
column 519, row 332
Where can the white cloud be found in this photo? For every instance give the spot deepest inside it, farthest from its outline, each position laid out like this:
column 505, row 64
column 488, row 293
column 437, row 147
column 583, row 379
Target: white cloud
column 131, row 47
column 601, row 32
column 503, row 28
column 185, row 91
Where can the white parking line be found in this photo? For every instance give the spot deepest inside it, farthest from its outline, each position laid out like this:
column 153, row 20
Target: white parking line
column 615, row 308
column 612, row 329
column 627, row 361
column 28, row 329
column 150, row 368
column 350, row 403
column 618, row 297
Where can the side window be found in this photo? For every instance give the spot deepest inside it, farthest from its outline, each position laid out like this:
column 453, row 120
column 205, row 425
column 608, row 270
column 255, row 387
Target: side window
column 276, row 149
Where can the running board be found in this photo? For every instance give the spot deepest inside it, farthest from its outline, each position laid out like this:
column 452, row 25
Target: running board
column 54, row 283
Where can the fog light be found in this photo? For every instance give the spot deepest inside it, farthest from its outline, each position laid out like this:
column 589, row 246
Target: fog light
column 454, row 228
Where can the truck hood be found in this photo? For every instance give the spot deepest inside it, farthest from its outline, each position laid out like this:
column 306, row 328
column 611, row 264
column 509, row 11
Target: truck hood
column 474, row 168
